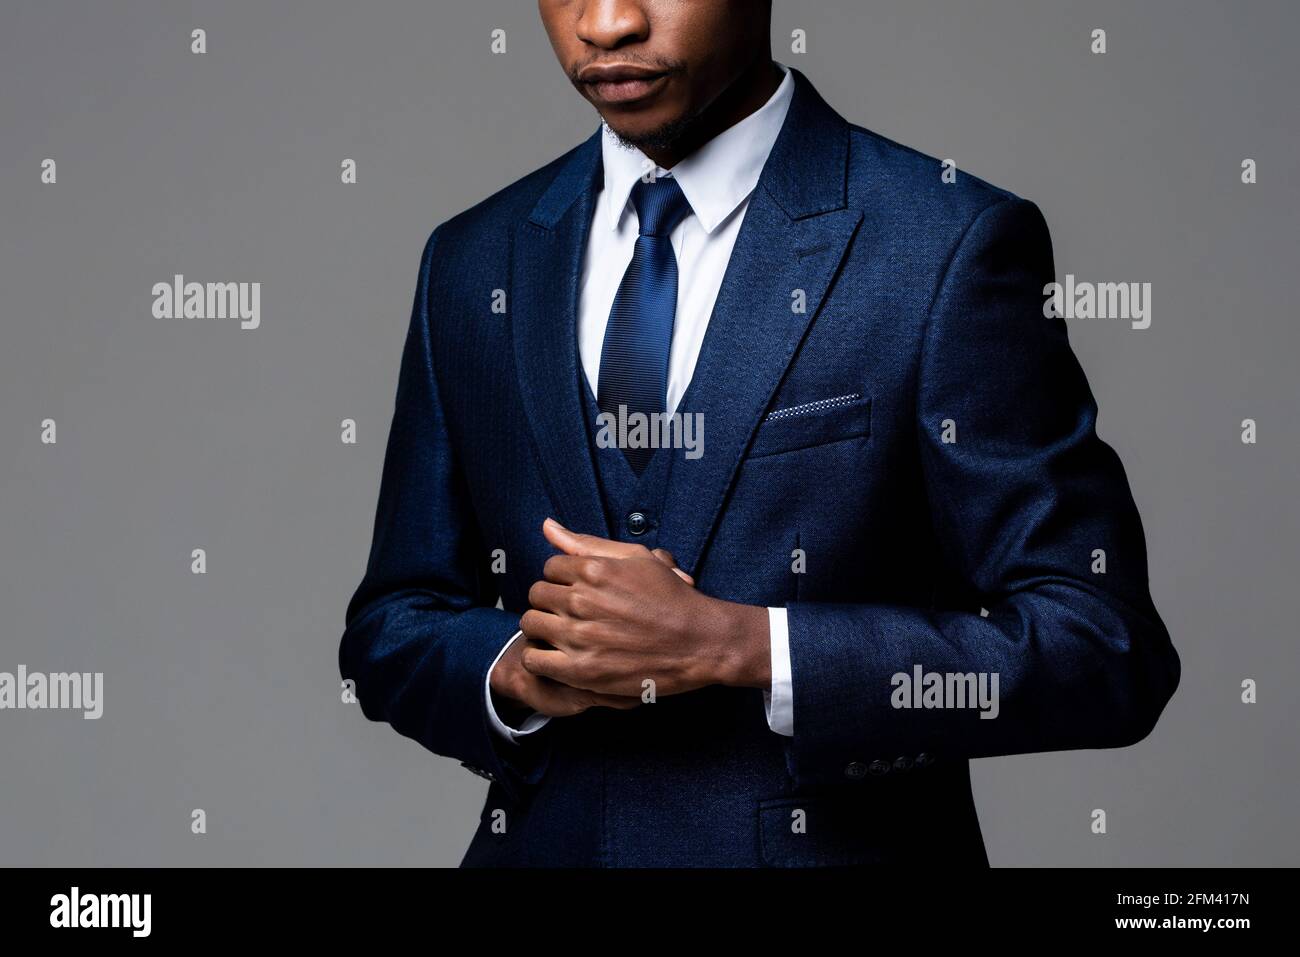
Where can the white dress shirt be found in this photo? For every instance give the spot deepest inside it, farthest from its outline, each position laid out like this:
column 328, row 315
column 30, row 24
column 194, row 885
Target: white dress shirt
column 717, row 180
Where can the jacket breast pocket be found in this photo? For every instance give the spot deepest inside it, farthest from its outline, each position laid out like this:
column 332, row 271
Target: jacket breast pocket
column 809, row 424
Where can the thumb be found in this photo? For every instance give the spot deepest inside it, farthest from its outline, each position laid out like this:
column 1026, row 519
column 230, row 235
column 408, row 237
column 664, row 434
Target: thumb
column 575, row 543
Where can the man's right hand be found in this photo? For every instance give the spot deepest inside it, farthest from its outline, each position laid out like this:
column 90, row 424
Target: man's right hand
column 520, row 692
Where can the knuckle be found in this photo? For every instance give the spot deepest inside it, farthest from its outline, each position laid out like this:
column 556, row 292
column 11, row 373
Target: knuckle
column 580, row 604
column 583, row 630
column 506, row 678
column 572, row 675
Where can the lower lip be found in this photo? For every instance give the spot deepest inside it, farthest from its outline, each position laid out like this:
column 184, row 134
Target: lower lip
column 627, row 91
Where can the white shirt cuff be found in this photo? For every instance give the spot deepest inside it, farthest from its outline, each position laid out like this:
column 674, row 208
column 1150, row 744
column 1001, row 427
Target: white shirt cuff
column 530, row 724
column 779, row 701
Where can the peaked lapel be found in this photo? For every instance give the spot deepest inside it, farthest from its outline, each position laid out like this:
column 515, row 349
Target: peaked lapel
column 546, row 270
column 796, row 230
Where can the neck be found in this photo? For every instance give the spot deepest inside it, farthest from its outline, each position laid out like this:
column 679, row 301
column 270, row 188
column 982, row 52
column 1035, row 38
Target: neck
column 746, row 95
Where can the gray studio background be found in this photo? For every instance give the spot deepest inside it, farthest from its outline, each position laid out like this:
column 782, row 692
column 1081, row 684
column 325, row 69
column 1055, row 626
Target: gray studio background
column 222, row 690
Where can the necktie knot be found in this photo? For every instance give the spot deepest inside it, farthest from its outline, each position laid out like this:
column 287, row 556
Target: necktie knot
column 660, row 205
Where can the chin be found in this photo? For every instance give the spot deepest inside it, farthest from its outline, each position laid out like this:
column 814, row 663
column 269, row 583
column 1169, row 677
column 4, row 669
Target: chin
column 650, row 135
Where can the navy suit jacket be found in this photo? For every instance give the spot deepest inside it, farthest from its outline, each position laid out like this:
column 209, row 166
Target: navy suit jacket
column 923, row 302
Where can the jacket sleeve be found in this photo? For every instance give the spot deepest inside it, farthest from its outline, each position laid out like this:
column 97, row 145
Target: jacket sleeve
column 422, row 629
column 1019, row 503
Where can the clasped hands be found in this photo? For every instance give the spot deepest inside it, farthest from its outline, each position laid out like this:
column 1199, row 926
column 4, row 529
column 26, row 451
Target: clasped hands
column 607, row 616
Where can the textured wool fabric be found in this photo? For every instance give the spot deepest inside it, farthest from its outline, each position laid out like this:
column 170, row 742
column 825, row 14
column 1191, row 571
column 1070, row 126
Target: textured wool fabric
column 881, row 390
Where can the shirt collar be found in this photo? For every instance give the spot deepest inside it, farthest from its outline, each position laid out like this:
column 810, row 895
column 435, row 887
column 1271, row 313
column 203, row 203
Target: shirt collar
column 717, row 177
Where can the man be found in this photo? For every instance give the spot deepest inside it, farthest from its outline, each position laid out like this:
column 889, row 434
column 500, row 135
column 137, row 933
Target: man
column 896, row 542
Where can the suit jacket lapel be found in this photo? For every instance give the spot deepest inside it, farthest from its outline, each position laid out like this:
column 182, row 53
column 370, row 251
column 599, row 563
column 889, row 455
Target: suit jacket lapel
column 796, row 231
column 547, row 265
column 794, row 236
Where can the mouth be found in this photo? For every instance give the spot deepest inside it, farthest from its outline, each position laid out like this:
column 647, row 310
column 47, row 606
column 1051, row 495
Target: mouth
column 621, row 84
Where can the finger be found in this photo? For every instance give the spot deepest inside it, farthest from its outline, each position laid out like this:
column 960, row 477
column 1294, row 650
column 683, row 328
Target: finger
column 555, row 665
column 557, row 700
column 541, row 626
column 576, row 543
column 563, row 695
column 567, row 569
column 666, row 557
column 544, row 663
column 554, row 699
column 548, row 596
column 619, row 702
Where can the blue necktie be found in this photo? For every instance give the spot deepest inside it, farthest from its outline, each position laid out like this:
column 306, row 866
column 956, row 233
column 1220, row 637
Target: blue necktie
column 634, row 357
